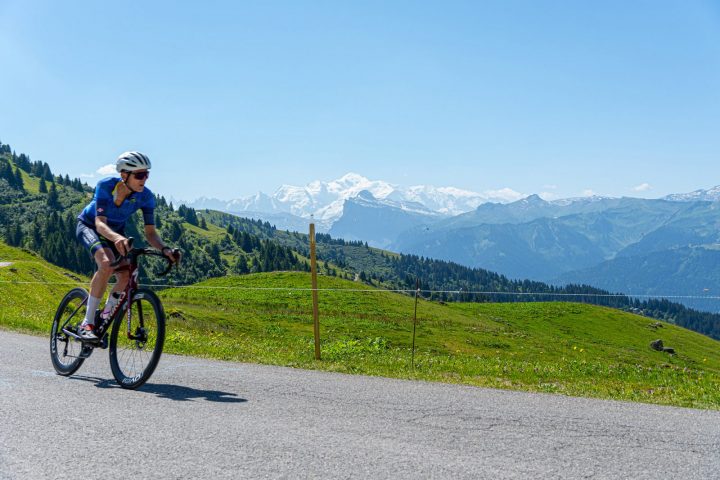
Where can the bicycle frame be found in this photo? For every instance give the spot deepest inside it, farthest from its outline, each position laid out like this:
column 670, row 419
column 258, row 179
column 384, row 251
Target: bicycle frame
column 123, row 306
column 127, row 263
column 128, row 296
column 131, row 289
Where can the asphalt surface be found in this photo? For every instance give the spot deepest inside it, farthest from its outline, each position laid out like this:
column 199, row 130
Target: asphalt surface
column 206, row 419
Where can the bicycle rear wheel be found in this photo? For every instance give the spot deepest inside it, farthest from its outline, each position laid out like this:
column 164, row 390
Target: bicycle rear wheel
column 133, row 357
column 65, row 350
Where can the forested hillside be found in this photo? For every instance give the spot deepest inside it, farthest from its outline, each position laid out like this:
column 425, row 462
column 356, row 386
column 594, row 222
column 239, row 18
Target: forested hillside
column 38, row 211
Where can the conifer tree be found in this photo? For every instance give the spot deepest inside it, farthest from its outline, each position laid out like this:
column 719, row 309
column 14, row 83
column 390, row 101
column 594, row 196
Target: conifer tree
column 15, row 235
column 47, row 174
column 241, row 266
column 23, row 162
column 7, row 173
column 53, row 200
column 19, row 183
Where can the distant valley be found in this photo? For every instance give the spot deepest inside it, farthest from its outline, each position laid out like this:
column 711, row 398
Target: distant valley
column 638, row 246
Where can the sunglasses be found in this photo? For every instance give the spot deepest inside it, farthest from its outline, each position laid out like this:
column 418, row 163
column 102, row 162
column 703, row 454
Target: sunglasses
column 140, row 175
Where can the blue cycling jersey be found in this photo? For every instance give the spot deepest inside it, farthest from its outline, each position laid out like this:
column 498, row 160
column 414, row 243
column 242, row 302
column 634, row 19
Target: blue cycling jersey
column 103, row 205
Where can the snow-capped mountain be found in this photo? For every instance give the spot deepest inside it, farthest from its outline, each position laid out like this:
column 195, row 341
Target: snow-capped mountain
column 325, row 201
column 711, row 195
column 564, row 202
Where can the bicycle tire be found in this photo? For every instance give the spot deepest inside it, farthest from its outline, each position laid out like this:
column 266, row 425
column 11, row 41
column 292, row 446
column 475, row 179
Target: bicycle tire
column 72, row 348
column 133, row 362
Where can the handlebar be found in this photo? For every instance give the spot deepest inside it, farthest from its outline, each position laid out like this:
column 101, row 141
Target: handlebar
column 133, row 254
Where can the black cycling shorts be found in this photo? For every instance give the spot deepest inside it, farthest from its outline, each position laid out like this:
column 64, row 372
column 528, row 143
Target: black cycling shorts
column 93, row 241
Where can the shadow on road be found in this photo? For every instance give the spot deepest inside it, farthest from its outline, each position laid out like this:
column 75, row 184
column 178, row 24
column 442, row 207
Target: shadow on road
column 171, row 392
column 177, row 392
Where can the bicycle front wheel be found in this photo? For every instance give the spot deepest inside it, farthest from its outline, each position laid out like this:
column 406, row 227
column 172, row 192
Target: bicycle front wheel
column 135, row 350
column 65, row 350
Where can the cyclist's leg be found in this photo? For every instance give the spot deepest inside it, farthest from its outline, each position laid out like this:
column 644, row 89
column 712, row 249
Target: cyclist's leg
column 103, row 255
column 121, row 280
column 103, row 258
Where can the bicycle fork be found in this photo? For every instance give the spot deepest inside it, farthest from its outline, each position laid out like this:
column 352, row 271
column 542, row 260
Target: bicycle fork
column 139, row 335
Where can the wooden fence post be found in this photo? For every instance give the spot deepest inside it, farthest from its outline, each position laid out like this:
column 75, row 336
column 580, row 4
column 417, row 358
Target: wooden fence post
column 313, row 274
column 417, row 292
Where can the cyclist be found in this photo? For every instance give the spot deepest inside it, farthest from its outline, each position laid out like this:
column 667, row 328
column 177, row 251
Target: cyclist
column 101, row 228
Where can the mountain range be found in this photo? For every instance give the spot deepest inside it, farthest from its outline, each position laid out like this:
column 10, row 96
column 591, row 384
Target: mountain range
column 636, row 246
column 325, row 202
column 639, row 246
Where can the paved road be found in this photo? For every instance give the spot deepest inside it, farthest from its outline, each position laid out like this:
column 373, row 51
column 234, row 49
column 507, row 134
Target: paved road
column 207, row 419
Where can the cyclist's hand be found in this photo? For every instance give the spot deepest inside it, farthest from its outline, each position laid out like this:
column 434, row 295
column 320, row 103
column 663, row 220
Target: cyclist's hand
column 174, row 254
column 122, row 245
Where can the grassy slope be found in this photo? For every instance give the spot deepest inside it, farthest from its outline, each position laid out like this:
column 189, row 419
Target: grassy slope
column 550, row 347
column 213, row 232
column 29, row 307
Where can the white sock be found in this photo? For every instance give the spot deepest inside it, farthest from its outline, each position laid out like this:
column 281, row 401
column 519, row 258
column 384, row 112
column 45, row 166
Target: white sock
column 113, row 299
column 92, row 305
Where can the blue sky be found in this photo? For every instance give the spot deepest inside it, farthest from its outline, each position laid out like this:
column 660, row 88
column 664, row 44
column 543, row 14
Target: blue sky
column 228, row 98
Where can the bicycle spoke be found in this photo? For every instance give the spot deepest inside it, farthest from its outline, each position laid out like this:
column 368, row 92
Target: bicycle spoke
column 72, row 315
column 135, row 358
column 65, row 350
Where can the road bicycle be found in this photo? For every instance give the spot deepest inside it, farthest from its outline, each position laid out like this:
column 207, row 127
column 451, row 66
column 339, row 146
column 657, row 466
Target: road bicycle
column 135, row 351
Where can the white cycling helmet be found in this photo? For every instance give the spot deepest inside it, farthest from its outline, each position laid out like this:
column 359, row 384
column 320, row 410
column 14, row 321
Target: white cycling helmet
column 131, row 161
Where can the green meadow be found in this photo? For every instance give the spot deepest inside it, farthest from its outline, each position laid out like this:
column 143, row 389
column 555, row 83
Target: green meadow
column 563, row 348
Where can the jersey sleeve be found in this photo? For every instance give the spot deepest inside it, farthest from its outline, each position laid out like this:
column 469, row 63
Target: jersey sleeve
column 103, row 197
column 148, row 210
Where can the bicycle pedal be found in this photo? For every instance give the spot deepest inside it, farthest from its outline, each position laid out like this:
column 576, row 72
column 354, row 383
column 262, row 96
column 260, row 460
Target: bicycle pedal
column 90, row 342
column 86, row 351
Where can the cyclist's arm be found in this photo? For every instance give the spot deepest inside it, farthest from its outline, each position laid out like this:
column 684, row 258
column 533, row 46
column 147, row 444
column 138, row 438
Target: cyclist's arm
column 154, row 239
column 105, row 231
